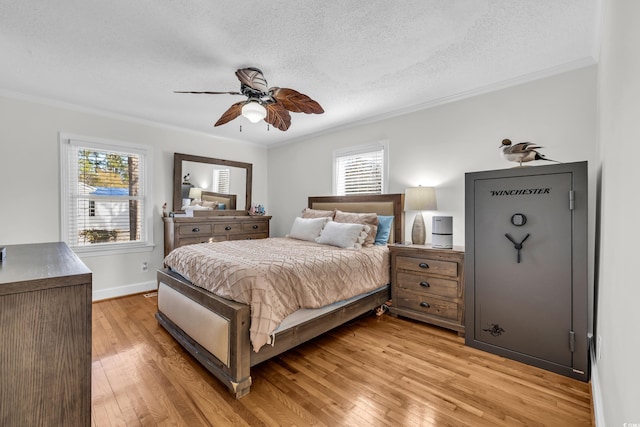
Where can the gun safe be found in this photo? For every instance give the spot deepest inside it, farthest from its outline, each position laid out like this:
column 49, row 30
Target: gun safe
column 526, row 265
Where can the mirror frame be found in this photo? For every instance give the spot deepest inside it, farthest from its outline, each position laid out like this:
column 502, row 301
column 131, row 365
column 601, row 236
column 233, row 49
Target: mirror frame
column 178, row 158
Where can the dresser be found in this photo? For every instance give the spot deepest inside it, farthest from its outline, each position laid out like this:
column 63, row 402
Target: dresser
column 45, row 337
column 181, row 231
column 427, row 284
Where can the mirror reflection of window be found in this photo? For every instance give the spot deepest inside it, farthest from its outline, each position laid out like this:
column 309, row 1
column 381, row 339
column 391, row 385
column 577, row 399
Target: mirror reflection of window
column 221, row 179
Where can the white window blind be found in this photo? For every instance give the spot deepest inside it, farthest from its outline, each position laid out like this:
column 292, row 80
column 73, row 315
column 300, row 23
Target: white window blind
column 221, row 180
column 103, row 195
column 360, row 170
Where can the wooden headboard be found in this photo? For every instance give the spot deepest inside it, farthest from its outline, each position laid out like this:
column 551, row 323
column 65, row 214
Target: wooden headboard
column 382, row 204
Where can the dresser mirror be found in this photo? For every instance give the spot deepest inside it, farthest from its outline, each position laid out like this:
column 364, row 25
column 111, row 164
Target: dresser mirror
column 194, row 174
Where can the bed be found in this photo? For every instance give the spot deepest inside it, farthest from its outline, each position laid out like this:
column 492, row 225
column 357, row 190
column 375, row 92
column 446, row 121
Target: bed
column 223, row 204
column 217, row 331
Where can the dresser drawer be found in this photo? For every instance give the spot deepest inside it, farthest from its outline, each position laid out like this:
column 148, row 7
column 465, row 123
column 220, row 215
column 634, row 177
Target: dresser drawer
column 227, row 227
column 194, row 229
column 428, row 284
column 427, row 265
column 193, row 240
column 252, row 236
column 181, row 231
column 427, row 304
column 255, row 227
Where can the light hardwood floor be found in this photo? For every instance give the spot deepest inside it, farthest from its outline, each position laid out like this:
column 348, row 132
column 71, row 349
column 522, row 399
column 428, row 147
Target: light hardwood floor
column 375, row 371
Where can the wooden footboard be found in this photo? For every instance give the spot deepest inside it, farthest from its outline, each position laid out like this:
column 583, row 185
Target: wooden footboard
column 233, row 372
column 235, row 357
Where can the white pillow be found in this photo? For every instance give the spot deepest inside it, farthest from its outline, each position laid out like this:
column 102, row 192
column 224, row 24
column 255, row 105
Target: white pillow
column 343, row 235
column 307, row 228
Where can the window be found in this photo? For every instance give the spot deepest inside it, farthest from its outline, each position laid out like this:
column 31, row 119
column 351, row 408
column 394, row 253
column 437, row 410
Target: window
column 221, row 178
column 361, row 170
column 104, row 195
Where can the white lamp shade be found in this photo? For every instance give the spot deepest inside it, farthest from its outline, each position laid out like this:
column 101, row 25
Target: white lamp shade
column 195, row 193
column 420, row 199
column 254, row 111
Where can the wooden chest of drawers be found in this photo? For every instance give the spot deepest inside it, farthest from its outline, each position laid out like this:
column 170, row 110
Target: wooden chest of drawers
column 45, row 337
column 189, row 230
column 427, row 284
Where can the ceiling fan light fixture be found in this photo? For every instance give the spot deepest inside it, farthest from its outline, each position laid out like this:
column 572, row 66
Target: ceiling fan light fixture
column 254, row 111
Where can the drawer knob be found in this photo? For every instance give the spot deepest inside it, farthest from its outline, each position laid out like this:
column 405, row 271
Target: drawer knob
column 425, row 304
column 195, row 230
column 255, row 227
column 425, row 284
column 423, row 265
column 228, row 227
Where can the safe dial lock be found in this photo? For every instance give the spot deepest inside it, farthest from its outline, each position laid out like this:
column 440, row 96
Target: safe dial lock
column 518, row 219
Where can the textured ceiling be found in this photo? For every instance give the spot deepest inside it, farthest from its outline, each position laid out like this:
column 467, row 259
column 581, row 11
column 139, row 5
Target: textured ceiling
column 359, row 59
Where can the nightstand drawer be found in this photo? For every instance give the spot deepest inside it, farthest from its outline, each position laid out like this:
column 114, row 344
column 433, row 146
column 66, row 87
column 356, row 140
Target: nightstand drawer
column 194, row 229
column 255, row 227
column 427, row 304
column 428, row 284
column 228, row 227
column 427, row 265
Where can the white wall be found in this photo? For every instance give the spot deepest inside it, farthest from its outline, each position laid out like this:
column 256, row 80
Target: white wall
column 437, row 146
column 618, row 290
column 29, row 177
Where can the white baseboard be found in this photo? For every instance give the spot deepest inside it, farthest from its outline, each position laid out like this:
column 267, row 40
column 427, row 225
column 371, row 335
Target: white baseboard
column 596, row 394
column 121, row 291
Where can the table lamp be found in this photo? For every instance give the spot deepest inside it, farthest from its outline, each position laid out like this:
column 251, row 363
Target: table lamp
column 419, row 199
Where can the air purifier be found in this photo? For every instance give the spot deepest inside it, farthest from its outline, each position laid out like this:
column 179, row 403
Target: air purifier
column 442, row 232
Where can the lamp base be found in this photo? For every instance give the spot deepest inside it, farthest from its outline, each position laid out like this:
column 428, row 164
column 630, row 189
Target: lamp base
column 418, row 232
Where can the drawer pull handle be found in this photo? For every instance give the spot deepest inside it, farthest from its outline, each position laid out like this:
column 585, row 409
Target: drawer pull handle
column 425, row 304
column 423, row 265
column 195, row 230
column 255, row 227
column 228, row 227
column 425, row 284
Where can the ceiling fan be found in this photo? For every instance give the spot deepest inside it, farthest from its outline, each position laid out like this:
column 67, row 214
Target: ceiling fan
column 271, row 104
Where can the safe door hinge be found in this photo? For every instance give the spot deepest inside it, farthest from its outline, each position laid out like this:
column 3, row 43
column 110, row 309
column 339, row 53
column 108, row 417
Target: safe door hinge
column 572, row 199
column 572, row 341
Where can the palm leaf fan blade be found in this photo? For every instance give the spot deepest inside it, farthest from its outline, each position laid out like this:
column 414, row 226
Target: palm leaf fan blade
column 209, row 93
column 234, row 111
column 295, row 101
column 253, row 78
column 278, row 116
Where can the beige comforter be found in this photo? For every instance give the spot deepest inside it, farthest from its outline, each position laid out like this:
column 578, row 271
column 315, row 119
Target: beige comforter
column 278, row 276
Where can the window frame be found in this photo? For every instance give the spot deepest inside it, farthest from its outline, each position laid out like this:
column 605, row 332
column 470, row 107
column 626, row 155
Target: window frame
column 362, row 149
column 68, row 142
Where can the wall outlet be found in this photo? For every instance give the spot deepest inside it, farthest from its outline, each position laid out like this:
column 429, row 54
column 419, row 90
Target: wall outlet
column 145, row 266
column 598, row 348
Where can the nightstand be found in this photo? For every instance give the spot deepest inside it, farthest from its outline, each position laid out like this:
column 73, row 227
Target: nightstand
column 427, row 284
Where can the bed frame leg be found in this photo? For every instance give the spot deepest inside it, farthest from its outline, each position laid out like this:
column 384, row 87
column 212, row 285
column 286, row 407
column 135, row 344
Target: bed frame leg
column 241, row 389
